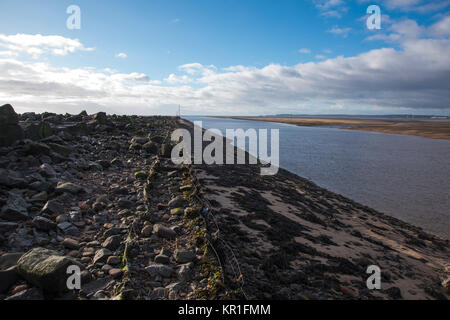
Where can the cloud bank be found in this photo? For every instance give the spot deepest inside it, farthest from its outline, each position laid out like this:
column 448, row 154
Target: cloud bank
column 414, row 75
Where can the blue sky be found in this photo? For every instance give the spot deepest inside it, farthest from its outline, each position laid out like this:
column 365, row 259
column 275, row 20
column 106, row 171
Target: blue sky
column 225, row 57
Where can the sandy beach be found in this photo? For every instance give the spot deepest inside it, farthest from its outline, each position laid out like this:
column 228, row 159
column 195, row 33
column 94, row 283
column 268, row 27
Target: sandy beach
column 435, row 129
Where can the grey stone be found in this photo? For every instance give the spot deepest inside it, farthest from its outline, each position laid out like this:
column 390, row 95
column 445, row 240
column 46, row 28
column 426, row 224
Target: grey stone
column 177, row 202
column 183, row 256
column 52, row 206
column 159, row 270
column 43, row 223
column 15, row 208
column 185, row 272
column 29, row 294
column 112, row 242
column 101, row 256
column 71, row 244
column 163, row 231
column 8, row 226
column 69, row 187
column 45, row 269
column 68, row 228
column 162, row 259
column 47, row 170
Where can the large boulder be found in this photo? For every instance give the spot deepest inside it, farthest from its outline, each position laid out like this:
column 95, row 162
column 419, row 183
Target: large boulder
column 36, row 130
column 9, row 122
column 101, row 118
column 8, row 115
column 45, row 269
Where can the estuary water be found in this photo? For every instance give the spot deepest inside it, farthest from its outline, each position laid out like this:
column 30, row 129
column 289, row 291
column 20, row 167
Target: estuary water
column 407, row 177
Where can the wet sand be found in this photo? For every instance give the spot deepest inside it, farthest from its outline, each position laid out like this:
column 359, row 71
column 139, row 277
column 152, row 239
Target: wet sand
column 428, row 128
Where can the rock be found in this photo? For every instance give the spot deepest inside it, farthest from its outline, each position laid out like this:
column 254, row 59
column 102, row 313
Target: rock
column 76, row 129
column 69, row 188
column 394, row 293
column 59, row 148
column 12, row 179
column 125, row 203
column 159, row 293
column 159, row 270
column 147, row 231
column 86, row 276
column 11, row 131
column 101, row 118
column 116, row 162
column 104, row 163
column 112, row 232
column 347, row 291
column 7, row 226
column 68, row 228
column 140, row 175
column 166, row 150
column 45, row 269
column 40, row 197
column 8, row 115
column 101, row 255
column 112, row 242
column 42, row 223
column 177, row 211
column 15, row 208
column 163, row 231
column 19, row 288
column 115, row 272
column 36, row 131
column 446, row 285
column 71, row 244
column 40, row 186
column 7, row 278
column 36, row 148
column 185, row 272
column 162, row 259
column 113, row 260
column 29, row 294
column 52, row 207
column 9, row 260
column 183, row 256
column 150, row 147
column 177, row 202
column 139, row 140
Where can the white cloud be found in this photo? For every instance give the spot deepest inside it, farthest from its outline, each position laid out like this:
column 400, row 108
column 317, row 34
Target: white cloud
column 416, row 75
column 304, row 50
column 441, row 28
column 122, row 55
column 37, row 45
column 419, row 6
column 340, row 31
column 331, row 8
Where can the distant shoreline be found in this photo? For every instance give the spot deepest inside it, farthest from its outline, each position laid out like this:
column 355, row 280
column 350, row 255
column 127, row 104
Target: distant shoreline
column 429, row 128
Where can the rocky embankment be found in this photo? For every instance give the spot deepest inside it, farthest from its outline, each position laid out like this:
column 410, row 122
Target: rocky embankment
column 100, row 193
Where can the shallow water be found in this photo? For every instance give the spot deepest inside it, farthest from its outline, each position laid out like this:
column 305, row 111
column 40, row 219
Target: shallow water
column 407, row 177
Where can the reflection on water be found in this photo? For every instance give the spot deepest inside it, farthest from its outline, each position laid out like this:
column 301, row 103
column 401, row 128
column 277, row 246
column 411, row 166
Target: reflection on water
column 407, row 177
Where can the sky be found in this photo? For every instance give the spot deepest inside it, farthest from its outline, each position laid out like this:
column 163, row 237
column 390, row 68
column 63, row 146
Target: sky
column 227, row 57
